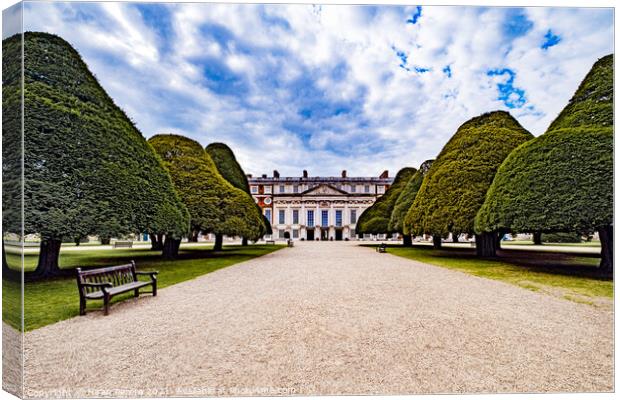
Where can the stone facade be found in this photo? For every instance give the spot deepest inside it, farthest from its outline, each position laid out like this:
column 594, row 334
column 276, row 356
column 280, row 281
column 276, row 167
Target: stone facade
column 316, row 208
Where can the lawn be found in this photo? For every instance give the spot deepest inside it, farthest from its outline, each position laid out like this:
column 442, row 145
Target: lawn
column 572, row 276
column 51, row 301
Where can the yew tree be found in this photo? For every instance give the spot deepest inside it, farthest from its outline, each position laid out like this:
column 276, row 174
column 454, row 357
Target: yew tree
column 228, row 166
column 454, row 188
column 405, row 200
column 376, row 218
column 562, row 181
column 215, row 206
column 87, row 169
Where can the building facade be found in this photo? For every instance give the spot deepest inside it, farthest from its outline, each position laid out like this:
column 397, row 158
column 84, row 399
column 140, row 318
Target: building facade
column 316, row 208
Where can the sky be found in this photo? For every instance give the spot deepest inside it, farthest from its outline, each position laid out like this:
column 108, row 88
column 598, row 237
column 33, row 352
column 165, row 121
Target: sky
column 326, row 87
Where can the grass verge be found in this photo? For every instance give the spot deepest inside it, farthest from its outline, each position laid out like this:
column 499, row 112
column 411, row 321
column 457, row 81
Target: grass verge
column 568, row 275
column 50, row 301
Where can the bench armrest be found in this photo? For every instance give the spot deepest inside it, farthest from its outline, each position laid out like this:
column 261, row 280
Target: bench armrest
column 152, row 274
column 147, row 272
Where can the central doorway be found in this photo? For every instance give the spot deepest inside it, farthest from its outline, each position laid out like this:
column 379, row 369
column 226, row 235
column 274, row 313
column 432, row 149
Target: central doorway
column 338, row 233
column 310, row 234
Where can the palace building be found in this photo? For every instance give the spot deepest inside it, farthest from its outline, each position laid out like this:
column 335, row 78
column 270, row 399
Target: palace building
column 316, row 208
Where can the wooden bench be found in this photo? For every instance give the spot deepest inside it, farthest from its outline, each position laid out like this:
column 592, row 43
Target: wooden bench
column 290, row 243
column 270, row 242
column 123, row 243
column 382, row 248
column 105, row 283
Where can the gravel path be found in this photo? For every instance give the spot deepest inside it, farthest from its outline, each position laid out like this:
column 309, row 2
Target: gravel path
column 326, row 318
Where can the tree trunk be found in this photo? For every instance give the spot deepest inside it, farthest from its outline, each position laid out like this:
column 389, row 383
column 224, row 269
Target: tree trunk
column 537, row 237
column 171, row 248
column 436, row 242
column 194, row 236
column 5, row 264
column 455, row 237
column 77, row 241
column 244, row 241
column 407, row 242
column 157, row 242
column 486, row 244
column 104, row 240
column 49, row 254
column 606, row 235
column 219, row 241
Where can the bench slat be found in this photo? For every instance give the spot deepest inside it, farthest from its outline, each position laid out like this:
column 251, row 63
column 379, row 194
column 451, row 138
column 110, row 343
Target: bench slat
column 118, row 289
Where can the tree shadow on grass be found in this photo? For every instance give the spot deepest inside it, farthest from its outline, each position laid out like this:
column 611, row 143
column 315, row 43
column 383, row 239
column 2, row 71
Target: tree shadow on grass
column 144, row 258
column 579, row 264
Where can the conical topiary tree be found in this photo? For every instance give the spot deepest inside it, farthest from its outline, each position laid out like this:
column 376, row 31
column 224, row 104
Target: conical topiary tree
column 454, row 188
column 11, row 147
column 562, row 181
column 375, row 219
column 87, row 169
column 214, row 204
column 229, row 168
column 405, row 200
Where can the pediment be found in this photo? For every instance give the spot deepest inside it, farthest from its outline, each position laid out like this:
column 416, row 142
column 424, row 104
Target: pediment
column 324, row 190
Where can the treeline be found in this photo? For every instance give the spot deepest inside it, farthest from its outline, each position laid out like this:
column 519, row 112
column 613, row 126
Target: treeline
column 87, row 169
column 493, row 177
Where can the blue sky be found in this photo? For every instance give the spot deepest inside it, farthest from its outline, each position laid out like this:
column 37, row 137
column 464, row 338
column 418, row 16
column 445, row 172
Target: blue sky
column 327, row 88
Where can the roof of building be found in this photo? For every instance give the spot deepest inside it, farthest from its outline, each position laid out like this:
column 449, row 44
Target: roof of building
column 276, row 178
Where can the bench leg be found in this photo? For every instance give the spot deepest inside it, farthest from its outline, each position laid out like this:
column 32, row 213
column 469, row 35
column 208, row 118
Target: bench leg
column 154, row 288
column 82, row 306
column 106, row 304
column 136, row 293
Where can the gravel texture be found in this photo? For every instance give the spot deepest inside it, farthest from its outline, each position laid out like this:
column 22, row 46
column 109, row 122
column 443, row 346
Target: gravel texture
column 326, row 318
column 12, row 360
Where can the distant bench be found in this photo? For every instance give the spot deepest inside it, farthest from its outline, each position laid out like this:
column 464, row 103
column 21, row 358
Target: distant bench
column 123, row 243
column 105, row 283
column 270, row 242
column 382, row 248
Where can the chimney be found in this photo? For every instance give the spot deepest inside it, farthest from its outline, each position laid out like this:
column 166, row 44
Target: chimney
column 384, row 174
column 305, row 173
column 344, row 173
column 249, row 175
column 264, row 175
column 276, row 174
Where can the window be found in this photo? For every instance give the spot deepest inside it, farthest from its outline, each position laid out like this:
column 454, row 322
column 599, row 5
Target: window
column 267, row 189
column 281, row 216
column 338, row 217
column 353, row 216
column 353, row 188
column 310, row 218
column 281, row 234
column 324, row 218
column 282, row 189
column 295, row 233
column 380, row 189
column 295, row 216
column 366, row 188
column 254, row 189
column 295, row 189
column 268, row 214
column 352, row 233
column 268, row 200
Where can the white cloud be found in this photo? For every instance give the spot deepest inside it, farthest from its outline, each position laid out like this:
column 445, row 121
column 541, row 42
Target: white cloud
column 280, row 61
